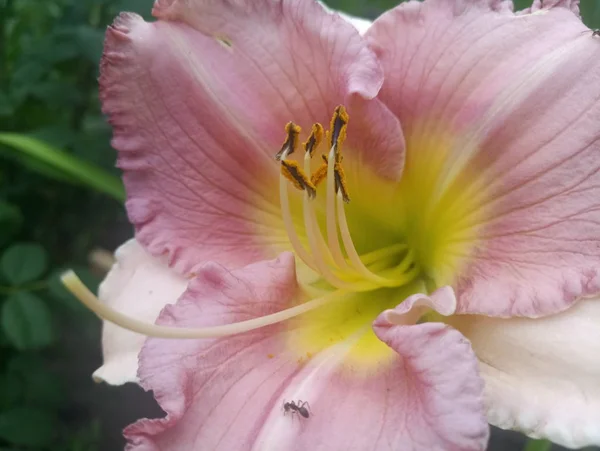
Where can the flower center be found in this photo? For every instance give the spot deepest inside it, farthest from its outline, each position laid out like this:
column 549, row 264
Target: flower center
column 363, row 284
column 334, row 257
column 401, row 240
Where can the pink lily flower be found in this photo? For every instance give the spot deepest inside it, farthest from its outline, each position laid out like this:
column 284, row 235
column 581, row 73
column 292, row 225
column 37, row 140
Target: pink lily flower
column 357, row 290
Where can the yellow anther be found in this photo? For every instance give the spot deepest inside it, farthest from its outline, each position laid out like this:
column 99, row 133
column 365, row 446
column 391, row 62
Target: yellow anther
column 340, row 181
column 337, row 128
column 315, row 138
column 321, row 173
column 335, row 136
column 291, row 171
column 291, row 141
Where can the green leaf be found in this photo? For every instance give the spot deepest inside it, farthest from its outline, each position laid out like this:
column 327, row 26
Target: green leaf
column 56, row 135
column 537, row 445
column 23, row 262
column 57, row 46
column 10, row 221
column 11, row 388
column 59, row 94
column 87, row 438
column 590, row 12
column 521, row 4
column 41, row 388
column 27, row 74
column 94, row 146
column 27, row 426
column 141, row 7
column 86, row 173
column 6, row 109
column 91, row 42
column 36, row 165
column 27, row 322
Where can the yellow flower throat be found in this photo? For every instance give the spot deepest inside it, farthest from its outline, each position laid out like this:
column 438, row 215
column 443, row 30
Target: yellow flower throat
column 406, row 244
column 344, row 275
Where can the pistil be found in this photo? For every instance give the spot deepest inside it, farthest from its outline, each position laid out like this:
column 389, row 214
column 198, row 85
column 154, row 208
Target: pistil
column 78, row 289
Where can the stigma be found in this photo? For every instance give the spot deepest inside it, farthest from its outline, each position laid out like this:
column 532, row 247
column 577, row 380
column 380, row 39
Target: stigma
column 333, row 256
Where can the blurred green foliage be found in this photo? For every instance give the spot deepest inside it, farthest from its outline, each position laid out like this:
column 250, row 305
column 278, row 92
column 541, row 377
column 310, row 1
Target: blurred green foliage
column 60, row 196
column 58, row 187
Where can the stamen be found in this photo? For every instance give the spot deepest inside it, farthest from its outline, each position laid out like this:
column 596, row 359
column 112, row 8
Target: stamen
column 406, row 271
column 313, row 232
column 331, row 223
column 353, row 255
column 332, row 254
column 337, row 128
column 310, row 146
column 328, row 258
column 289, row 145
column 103, row 311
column 336, row 180
column 320, row 174
column 315, row 138
column 380, row 254
column 286, row 213
column 319, row 248
column 340, row 180
column 291, row 171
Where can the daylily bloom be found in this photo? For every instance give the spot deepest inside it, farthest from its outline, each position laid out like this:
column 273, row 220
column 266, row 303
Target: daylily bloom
column 438, row 174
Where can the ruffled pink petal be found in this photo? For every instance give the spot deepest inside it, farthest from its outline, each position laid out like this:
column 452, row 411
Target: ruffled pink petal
column 524, row 93
column 216, row 393
column 442, row 300
column 541, row 376
column 199, row 100
column 430, row 397
column 228, row 394
column 138, row 285
column 440, row 369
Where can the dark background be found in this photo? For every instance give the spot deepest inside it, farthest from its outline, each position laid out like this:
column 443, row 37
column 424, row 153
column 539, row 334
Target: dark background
column 61, row 198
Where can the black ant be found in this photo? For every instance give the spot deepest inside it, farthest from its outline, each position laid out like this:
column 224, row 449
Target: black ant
column 299, row 408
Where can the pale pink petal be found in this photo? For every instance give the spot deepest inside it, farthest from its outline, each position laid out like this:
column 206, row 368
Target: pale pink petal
column 198, row 101
column 228, row 394
column 216, row 392
column 521, row 94
column 429, row 397
column 541, row 376
column 138, row 285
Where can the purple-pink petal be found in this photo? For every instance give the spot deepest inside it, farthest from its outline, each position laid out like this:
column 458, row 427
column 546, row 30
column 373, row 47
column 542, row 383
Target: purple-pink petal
column 198, row 102
column 229, row 393
column 526, row 89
